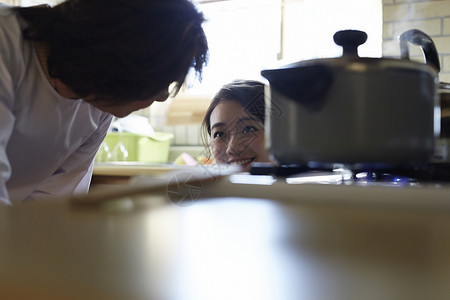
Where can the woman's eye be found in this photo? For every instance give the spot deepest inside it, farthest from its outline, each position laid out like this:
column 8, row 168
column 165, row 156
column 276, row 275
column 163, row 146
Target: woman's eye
column 218, row 134
column 248, row 129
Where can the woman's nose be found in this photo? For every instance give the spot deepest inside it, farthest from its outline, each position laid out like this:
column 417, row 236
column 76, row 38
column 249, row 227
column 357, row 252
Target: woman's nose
column 235, row 145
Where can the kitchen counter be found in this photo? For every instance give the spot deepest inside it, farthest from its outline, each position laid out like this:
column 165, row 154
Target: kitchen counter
column 121, row 172
column 307, row 241
column 132, row 168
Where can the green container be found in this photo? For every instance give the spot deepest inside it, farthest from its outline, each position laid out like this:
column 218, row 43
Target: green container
column 154, row 149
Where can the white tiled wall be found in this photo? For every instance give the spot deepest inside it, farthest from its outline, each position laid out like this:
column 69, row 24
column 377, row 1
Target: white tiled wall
column 429, row 16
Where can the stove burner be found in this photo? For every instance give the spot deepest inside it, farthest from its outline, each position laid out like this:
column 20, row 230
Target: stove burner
column 428, row 173
column 372, row 177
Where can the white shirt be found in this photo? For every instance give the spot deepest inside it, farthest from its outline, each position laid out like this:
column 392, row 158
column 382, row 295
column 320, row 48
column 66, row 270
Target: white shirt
column 47, row 142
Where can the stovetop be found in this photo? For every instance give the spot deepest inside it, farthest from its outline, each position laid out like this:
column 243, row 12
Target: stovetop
column 412, row 189
column 433, row 172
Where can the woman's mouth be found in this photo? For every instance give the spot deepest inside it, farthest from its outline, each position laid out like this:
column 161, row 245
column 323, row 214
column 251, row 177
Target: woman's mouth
column 241, row 162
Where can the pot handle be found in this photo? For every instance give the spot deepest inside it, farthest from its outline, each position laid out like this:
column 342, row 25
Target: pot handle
column 419, row 38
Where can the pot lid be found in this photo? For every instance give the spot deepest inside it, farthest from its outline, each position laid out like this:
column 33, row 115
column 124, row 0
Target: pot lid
column 350, row 40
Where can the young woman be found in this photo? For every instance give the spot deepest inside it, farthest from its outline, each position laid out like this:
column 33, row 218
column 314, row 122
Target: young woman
column 65, row 69
column 234, row 124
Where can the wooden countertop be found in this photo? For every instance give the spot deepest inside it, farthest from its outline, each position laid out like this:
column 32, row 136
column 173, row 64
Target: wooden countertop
column 121, row 172
column 132, row 168
column 224, row 248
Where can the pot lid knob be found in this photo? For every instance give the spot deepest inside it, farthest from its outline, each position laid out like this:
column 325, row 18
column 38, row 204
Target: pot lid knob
column 350, row 40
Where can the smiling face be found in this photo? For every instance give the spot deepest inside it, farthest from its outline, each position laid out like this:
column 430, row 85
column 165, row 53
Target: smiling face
column 236, row 136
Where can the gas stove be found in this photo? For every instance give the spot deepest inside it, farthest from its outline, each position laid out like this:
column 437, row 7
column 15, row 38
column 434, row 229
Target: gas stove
column 339, row 173
column 419, row 189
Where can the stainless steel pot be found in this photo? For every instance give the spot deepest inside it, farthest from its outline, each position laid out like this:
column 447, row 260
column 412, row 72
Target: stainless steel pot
column 362, row 112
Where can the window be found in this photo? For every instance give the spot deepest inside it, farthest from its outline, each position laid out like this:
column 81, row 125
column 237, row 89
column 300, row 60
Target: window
column 243, row 36
column 309, row 26
column 246, row 36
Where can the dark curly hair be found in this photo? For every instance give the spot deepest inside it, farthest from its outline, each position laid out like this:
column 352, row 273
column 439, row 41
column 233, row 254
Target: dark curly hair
column 248, row 93
column 119, row 50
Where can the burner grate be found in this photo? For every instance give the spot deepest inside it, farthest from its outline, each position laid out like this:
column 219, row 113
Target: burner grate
column 427, row 173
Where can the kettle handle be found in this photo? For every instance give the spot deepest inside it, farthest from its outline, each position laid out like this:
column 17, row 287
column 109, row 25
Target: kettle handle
column 419, row 38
